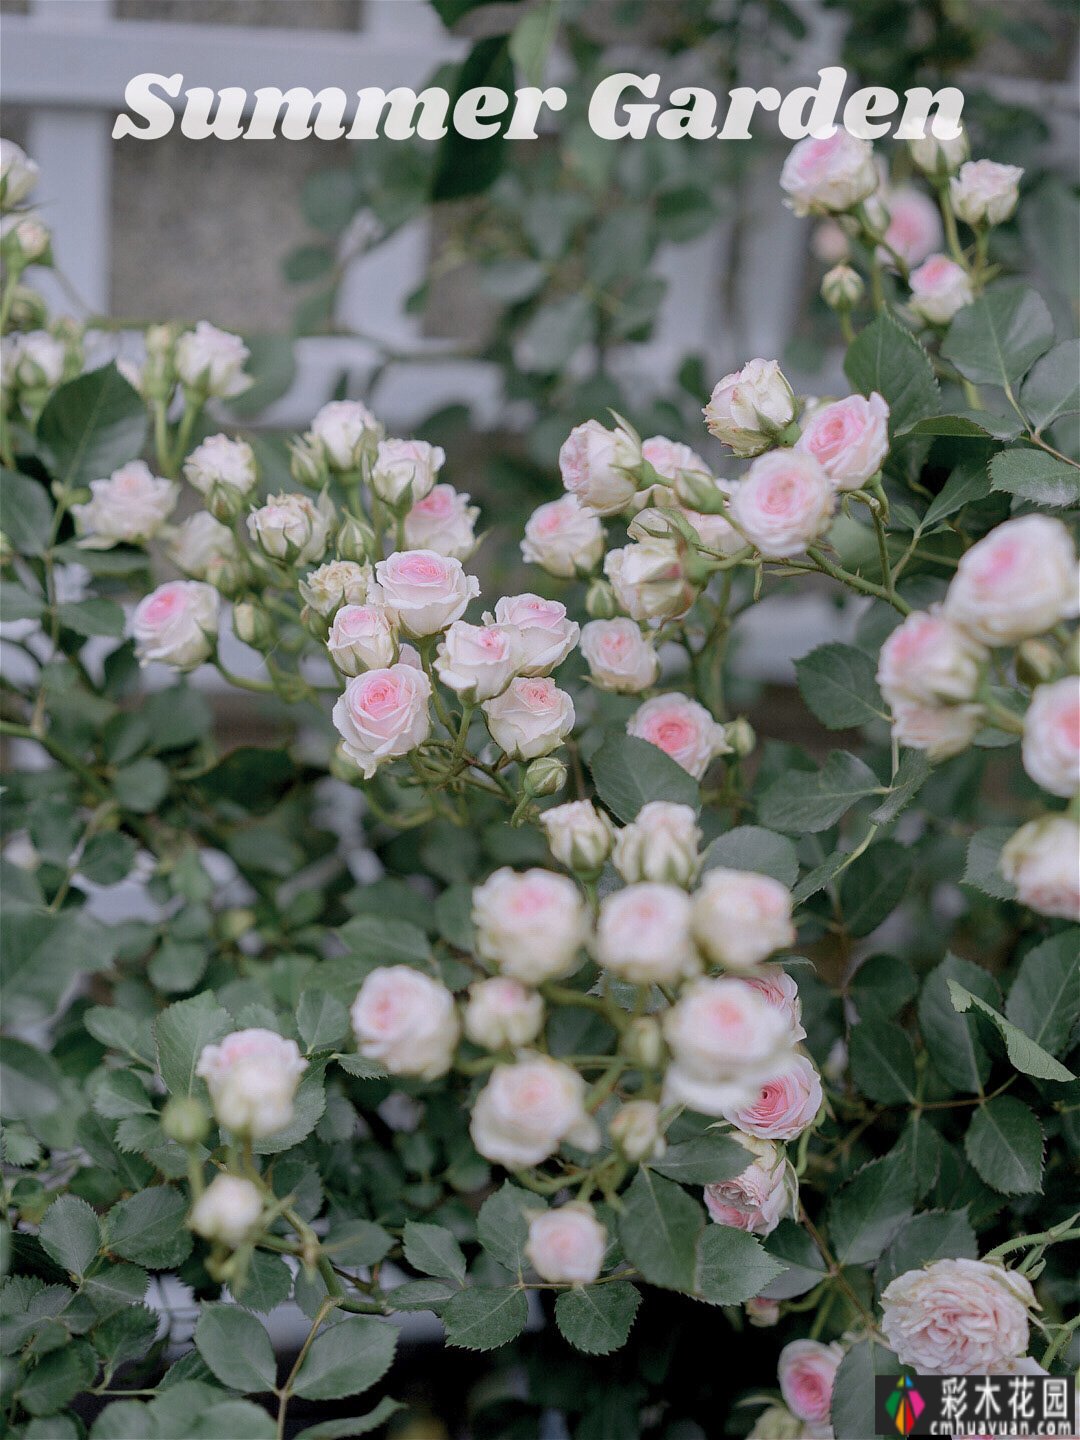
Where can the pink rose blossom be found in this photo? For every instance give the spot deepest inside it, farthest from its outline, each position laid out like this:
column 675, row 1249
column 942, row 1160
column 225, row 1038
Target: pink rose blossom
column 563, row 537
column 1018, row 581
column 787, row 1102
column 383, row 714
column 914, row 226
column 778, row 989
column 1052, row 737
column 957, row 1317
column 785, row 503
column 681, row 728
column 829, row 176
column 928, row 659
column 530, row 718
column 806, row 1371
column 422, row 590
column 758, row 1199
column 443, row 521
column 546, row 636
column 939, row 288
column 849, row 439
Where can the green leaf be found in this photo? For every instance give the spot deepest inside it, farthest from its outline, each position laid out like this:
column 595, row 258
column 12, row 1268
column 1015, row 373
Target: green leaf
column 354, row 1425
column 1034, row 475
column 423, row 1295
column 853, row 1411
column 58, row 1378
column 837, row 682
column 803, row 1265
column 865, row 1214
column 346, row 1358
column 321, row 1020
column 996, row 339
column 531, row 42
column 732, row 1265
column 882, row 985
column 958, row 1054
column 30, row 1081
column 234, row 1420
column 1044, row 1001
column 887, row 358
column 873, row 886
column 983, row 869
column 967, row 483
column 968, row 425
column 1004, row 1143
column 484, row 1318
column 28, row 512
column 1052, row 390
column 933, row 1235
column 750, row 847
column 357, row 1242
column 432, row 1250
column 19, row 604
column 124, row 1420
column 180, row 1032
column 149, row 1228
column 383, row 940
column 465, row 166
column 596, row 1319
column 236, row 1347
column 107, row 859
column 502, row 1228
column 911, row 775
column 629, row 772
column 141, row 786
column 883, row 1062
column 92, row 617
column 93, row 425
column 361, row 1067
column 659, row 1229
column 268, row 1283
column 554, row 334
column 70, row 1234
column 704, row 1160
column 814, row 800
column 1028, row 1056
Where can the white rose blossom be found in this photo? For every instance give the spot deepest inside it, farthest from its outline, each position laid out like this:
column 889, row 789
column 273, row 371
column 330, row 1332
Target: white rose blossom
column 18, row 173
column 829, row 176
column 383, row 714
column 405, row 470
column 848, row 438
column 1051, row 745
column 649, row 581
column 579, row 835
column 594, row 463
column 778, row 989
column 503, row 1014
column 292, row 527
column 725, row 1040
column 477, row 661
column 130, row 507
column 927, row 660
column 177, row 624
column 346, row 430
column 252, row 1077
column 563, row 538
column 337, row 583
column 531, row 925
column 750, row 408
column 545, row 635
column 636, row 1131
column 682, row 728
column 661, row 844
column 957, row 1317
column 643, row 935
column 527, row 1110
column 227, row 1211
column 423, row 591
column 566, row 1246
column 785, row 503
column 741, row 918
column 936, row 157
column 941, row 731
column 530, row 718
column 220, row 461
column 759, row 1197
column 1019, row 580
column 940, row 288
column 361, row 638
column 443, row 521
column 1042, row 859
column 202, row 547
column 984, row 192
column 406, row 1021
column 619, row 656
column 211, row 361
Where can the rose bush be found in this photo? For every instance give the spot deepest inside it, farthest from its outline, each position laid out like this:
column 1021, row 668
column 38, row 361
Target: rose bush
column 537, row 1021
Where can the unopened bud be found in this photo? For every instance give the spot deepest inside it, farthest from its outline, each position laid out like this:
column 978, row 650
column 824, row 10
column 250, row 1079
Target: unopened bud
column 7, row 554
column 1036, row 662
column 635, row 1132
column 762, row 1313
column 185, row 1120
column 600, row 601
column 28, row 309
column 253, row 625
column 643, row 1043
column 343, row 767
column 841, row 287
column 545, row 776
column 740, row 736
column 225, row 503
column 307, row 462
column 25, row 241
column 699, row 492
column 356, row 540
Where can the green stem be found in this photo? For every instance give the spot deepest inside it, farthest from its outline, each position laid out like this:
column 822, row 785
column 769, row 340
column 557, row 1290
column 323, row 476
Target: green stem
column 856, row 582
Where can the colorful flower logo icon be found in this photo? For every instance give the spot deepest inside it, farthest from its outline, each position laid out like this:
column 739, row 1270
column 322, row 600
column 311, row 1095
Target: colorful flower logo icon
column 905, row 1405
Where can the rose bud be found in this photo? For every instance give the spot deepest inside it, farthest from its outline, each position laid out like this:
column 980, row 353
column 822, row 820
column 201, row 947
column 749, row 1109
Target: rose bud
column 649, row 580
column 643, row 1042
column 928, row 660
column 176, row 624
column 681, row 728
column 224, row 471
column 443, row 521
column 778, row 989
column 842, row 287
column 130, row 507
column 356, row 540
column 823, row 177
column 185, row 1120
column 406, row 1021
column 939, row 157
column 527, row 1110
column 546, row 636
column 307, row 462
column 673, row 462
column 546, row 776
column 806, row 1371
column 530, row 718
column 292, row 528
column 1042, row 860
column 210, row 361
column 643, row 935
column 597, row 466
column 636, row 1133
column 725, row 1040
column 751, row 408
column 477, row 661
column 1017, row 581
column 361, row 638
column 347, row 432
column 740, row 918
column 600, row 602
column 24, row 241
column 661, row 844
column 205, row 550
column 1051, row 744
column 37, row 360
column 579, row 835
column 383, row 714
column 18, row 174
column 566, row 1246
column 404, row 471
column 422, row 590
column 785, row 503
column 337, row 583
column 502, row 1014
column 563, row 538
column 619, row 656
column 252, row 625
column 787, row 1102
column 531, row 925
column 227, row 1211
column 761, row 1313
column 958, row 1317
column 762, row 1195
column 939, row 289
column 849, row 439
column 252, row 1077
column 914, row 227
column 984, row 192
